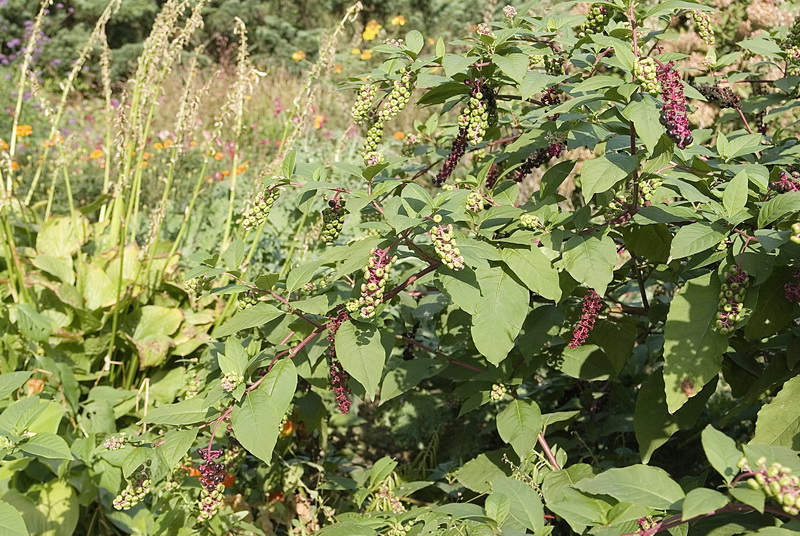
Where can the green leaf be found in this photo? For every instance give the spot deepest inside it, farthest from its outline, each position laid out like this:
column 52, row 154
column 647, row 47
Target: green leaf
column 778, row 421
column 479, row 473
column 692, row 347
column 181, row 413
column 772, row 311
column 175, row 445
column 32, row 324
column 721, row 452
column 696, row 237
column 515, row 66
column 55, row 512
column 62, row 236
column 48, row 446
column 763, row 47
column 652, row 422
column 534, row 269
column 752, row 497
column 637, row 484
column 257, row 418
column 498, row 506
column 462, row 287
column 251, row 317
column 590, row 260
column 363, row 349
column 526, row 507
column 11, row 381
column 234, row 359
column 414, row 41
column 234, row 255
column 11, row 523
column 456, row 63
column 579, row 510
column 601, row 174
column 645, row 117
column 734, row 198
column 701, row 501
column 152, row 333
column 778, row 208
column 519, row 424
column 498, row 320
column 407, row 375
column 739, row 146
column 96, row 286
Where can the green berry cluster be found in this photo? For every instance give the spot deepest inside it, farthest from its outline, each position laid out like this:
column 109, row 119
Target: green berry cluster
column 595, row 21
column 210, row 501
column 372, row 216
column 376, row 275
column 197, row 285
column 498, row 392
column 410, row 143
column 776, row 481
column 258, row 212
column 648, row 186
column 535, row 61
column 645, row 71
column 6, row 443
column 398, row 97
column 363, row 104
column 553, row 65
column 193, row 387
column 475, row 201
column 371, row 141
column 134, row 492
column 398, row 530
column 702, row 23
column 475, row 118
column 230, row 381
column 791, row 46
column 247, row 299
column 445, row 245
column 795, row 233
column 730, row 299
column 332, row 220
column 529, row 221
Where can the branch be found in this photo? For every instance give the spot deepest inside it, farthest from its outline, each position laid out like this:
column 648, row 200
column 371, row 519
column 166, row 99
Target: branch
column 547, row 452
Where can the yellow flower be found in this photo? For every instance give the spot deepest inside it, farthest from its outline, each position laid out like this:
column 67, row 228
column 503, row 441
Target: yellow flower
column 24, row 130
column 355, row 51
column 145, row 164
column 97, row 153
column 319, row 121
column 337, row 68
column 371, row 30
column 158, row 145
column 398, row 20
column 431, row 41
column 299, row 55
column 3, row 145
column 399, row 135
column 366, row 55
column 147, row 155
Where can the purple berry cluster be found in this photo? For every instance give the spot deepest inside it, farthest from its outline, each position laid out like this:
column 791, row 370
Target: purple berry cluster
column 376, row 275
column 776, row 481
column 445, row 245
column 457, row 150
column 551, row 96
column 493, row 176
column 721, row 96
column 212, row 475
column 731, row 297
column 788, row 181
column 674, row 114
column 592, row 304
column 538, row 159
column 792, row 289
column 332, row 220
column 339, row 376
column 138, row 486
column 385, row 500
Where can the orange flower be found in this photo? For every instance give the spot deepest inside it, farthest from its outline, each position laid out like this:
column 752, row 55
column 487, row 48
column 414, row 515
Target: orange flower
column 399, row 135
column 398, row 20
column 3, row 145
column 337, row 68
column 219, row 156
column 167, row 143
column 241, row 169
column 97, row 153
column 229, row 480
column 147, row 155
column 14, row 166
column 24, row 130
column 35, row 386
column 288, row 428
column 158, row 145
column 319, row 121
column 299, row 55
column 145, row 163
column 225, row 173
column 371, row 30
column 366, row 55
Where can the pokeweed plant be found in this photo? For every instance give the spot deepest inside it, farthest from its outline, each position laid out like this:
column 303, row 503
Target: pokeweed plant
column 562, row 251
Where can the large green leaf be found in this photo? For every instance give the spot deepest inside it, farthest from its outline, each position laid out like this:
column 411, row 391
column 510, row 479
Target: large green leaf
column 251, row 317
column 535, row 270
column 11, row 381
column 182, row 413
column 636, row 484
column 590, row 260
column 526, row 507
column 692, row 347
column 778, row 207
column 778, row 421
column 498, row 320
column 519, row 424
column 48, row 446
column 234, row 359
column 363, row 349
column 257, row 418
column 96, row 286
column 152, row 333
column 695, row 238
column 644, row 114
column 62, row 236
column 54, row 512
column 407, row 374
column 11, row 523
column 32, row 324
column 701, row 501
column 601, row 174
column 721, row 452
